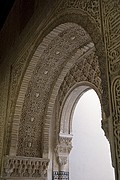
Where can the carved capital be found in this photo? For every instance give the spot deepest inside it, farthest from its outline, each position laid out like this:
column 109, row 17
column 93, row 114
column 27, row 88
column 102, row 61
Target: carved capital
column 63, row 148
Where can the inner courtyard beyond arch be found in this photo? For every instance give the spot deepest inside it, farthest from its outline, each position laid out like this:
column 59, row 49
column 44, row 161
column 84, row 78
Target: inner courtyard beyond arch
column 62, row 52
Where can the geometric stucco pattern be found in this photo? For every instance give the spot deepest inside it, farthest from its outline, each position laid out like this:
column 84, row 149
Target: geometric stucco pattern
column 45, row 74
column 84, row 71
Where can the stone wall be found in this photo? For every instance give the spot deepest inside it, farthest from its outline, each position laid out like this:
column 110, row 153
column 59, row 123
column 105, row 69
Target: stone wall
column 24, row 34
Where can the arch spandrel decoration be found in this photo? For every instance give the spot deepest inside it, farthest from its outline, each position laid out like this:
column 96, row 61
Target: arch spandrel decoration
column 84, row 71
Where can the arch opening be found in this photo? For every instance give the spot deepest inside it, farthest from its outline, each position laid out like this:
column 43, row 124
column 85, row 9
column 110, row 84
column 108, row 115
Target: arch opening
column 90, row 154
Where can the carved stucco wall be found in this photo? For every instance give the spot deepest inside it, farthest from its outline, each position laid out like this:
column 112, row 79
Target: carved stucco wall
column 111, row 31
column 101, row 20
column 84, row 72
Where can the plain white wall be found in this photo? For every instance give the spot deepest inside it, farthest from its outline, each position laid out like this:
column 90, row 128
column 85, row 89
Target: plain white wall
column 90, row 157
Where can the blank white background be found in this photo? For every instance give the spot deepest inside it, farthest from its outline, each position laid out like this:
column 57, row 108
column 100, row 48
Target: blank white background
column 90, row 157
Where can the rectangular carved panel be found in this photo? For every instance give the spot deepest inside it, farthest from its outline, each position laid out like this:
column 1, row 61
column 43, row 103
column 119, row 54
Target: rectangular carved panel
column 25, row 167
